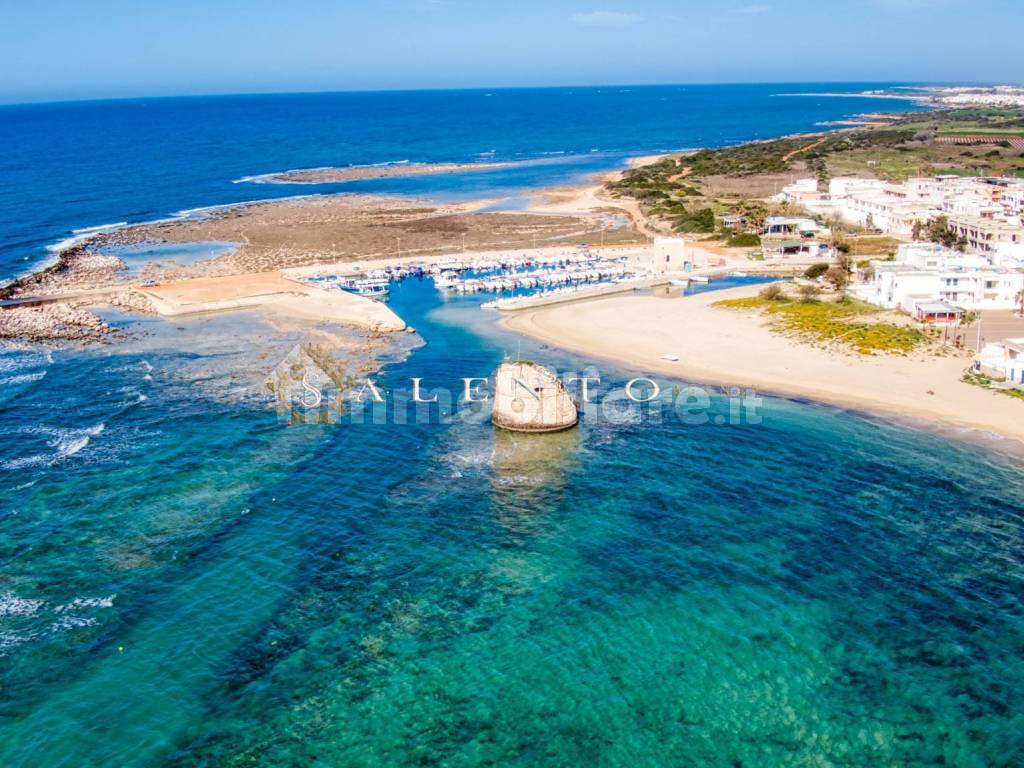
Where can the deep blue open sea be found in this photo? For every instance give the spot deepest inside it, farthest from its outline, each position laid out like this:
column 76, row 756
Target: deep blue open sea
column 187, row 581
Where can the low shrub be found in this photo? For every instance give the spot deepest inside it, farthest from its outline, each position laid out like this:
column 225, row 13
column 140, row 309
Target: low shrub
column 815, row 271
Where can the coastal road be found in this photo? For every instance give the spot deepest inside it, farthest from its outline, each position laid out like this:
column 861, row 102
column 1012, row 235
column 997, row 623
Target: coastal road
column 995, row 326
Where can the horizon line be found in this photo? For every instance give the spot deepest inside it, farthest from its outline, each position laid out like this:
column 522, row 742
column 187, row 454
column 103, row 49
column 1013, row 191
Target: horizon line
column 331, row 91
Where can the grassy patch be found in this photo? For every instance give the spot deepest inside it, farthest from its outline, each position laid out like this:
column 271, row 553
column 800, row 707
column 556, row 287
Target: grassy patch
column 866, row 245
column 743, row 240
column 829, row 322
column 980, row 380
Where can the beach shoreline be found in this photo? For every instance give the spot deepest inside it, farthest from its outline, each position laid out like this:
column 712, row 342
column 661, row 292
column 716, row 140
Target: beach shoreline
column 718, row 346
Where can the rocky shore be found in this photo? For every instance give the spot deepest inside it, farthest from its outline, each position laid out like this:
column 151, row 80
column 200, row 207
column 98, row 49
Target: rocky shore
column 53, row 322
column 79, row 268
column 363, row 172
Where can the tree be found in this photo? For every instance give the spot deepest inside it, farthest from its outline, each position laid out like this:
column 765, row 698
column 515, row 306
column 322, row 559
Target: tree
column 743, row 240
column 937, row 230
column 838, row 241
column 755, row 212
column 837, row 277
column 815, row 271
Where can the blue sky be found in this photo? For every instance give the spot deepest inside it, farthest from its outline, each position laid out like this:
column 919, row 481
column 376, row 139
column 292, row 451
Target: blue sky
column 112, row 48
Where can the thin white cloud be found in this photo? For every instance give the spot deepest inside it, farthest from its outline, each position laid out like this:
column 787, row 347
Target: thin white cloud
column 751, row 10
column 915, row 5
column 606, row 19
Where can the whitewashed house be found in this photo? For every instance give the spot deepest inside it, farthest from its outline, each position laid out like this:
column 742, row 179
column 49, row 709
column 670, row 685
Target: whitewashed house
column 1002, row 361
column 929, row 273
column 789, row 226
column 987, row 211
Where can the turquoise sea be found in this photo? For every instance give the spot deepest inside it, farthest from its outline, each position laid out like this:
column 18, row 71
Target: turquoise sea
column 187, row 581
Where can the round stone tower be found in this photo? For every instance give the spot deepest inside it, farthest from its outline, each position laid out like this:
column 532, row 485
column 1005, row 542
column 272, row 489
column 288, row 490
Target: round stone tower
column 530, row 398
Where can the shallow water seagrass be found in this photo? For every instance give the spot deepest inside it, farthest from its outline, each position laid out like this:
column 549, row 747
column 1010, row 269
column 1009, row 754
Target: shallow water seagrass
column 187, row 581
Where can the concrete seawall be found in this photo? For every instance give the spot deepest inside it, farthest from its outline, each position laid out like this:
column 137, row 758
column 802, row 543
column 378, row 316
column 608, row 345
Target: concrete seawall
column 534, row 302
column 272, row 291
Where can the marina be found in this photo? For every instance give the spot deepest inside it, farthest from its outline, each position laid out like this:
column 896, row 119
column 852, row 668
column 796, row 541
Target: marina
column 537, row 277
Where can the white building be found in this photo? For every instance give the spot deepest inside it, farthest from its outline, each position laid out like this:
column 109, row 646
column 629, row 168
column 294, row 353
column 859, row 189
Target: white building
column 788, row 226
column 928, row 273
column 984, row 233
column 987, row 210
column 893, row 208
column 800, row 191
column 812, row 250
column 1002, row 361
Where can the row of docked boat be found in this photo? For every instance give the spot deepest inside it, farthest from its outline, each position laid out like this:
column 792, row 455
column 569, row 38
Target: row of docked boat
column 374, row 287
column 528, row 272
column 531, row 279
column 480, row 267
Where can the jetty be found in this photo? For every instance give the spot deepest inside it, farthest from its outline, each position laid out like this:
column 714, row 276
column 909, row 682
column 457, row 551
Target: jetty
column 580, row 293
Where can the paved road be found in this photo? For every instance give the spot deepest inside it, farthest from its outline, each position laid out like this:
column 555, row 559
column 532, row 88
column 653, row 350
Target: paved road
column 996, row 326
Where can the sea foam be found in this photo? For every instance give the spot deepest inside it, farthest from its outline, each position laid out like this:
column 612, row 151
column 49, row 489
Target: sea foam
column 12, row 605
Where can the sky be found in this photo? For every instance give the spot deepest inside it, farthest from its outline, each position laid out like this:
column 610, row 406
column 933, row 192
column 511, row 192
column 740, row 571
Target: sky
column 59, row 49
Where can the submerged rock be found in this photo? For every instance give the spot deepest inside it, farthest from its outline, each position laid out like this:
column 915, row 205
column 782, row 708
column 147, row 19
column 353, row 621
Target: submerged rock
column 530, row 398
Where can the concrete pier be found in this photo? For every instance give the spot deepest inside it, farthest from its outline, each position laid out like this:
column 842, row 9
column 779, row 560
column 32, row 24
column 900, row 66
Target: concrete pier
column 545, row 300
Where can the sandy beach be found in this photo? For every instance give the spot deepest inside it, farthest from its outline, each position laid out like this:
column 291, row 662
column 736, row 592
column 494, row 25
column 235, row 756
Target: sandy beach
column 720, row 346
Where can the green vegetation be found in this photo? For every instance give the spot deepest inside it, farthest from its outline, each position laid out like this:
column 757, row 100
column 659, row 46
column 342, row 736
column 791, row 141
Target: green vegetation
column 815, row 271
column 828, row 322
column 681, row 190
column 980, row 380
column 937, row 230
column 744, row 240
column 957, row 130
column 702, row 220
